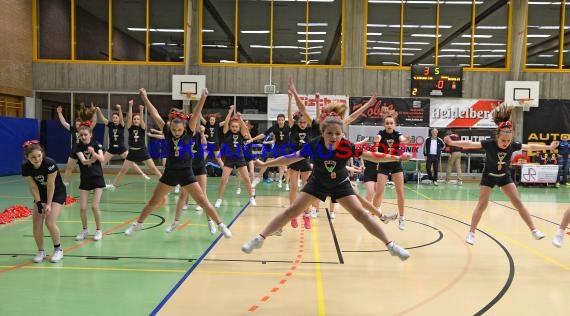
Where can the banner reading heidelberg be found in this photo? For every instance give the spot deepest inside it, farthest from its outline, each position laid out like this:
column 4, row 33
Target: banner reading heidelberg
column 407, row 111
column 467, row 113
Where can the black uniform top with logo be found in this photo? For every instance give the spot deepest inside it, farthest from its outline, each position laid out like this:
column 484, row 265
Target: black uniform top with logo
column 74, row 135
column 198, row 160
column 180, row 149
column 329, row 167
column 497, row 160
column 91, row 175
column 137, row 137
column 281, row 134
column 40, row 176
column 316, row 128
column 369, row 166
column 212, row 132
column 232, row 143
column 116, row 135
column 299, row 137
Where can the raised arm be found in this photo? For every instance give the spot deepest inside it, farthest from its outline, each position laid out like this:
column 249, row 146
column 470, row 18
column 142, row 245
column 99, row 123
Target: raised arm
column 289, row 111
column 465, row 144
column 120, row 112
column 300, row 104
column 102, row 116
column 382, row 157
column 281, row 161
column 141, row 114
column 202, row 119
column 318, row 109
column 130, row 115
column 227, row 119
column 353, row 116
column 198, row 109
column 152, row 111
column 538, row 147
column 62, row 119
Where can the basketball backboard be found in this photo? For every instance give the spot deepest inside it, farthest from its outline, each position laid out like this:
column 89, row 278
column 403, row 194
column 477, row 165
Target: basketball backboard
column 187, row 83
column 522, row 90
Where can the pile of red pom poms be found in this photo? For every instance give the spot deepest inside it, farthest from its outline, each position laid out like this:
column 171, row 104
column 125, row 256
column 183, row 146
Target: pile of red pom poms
column 15, row 211
column 70, row 200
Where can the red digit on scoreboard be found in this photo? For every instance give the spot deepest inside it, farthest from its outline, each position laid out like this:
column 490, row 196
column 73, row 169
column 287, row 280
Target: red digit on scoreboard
column 426, row 71
column 440, row 84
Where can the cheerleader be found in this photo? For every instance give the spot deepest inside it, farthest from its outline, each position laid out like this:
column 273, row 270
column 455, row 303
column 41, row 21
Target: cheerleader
column 178, row 169
column 116, row 130
column 212, row 133
column 90, row 155
column 48, row 191
column 138, row 151
column 329, row 178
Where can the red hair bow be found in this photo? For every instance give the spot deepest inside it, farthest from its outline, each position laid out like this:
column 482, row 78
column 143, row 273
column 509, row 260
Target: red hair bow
column 179, row 115
column 86, row 123
column 28, row 143
column 506, row 124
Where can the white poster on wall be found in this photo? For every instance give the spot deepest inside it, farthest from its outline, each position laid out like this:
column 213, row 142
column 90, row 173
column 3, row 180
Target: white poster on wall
column 277, row 104
column 417, row 136
column 462, row 113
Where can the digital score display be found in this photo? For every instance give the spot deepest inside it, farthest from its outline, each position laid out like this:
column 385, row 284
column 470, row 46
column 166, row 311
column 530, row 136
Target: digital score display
column 436, row 81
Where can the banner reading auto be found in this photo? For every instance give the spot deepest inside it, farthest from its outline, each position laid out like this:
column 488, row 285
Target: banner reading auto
column 547, row 122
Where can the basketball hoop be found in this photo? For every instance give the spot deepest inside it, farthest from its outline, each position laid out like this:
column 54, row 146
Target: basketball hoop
column 525, row 104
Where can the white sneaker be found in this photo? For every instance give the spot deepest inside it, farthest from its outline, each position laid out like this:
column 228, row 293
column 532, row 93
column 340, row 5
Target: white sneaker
column 98, row 235
column 218, row 203
column 459, row 182
column 558, row 237
column 212, row 226
column 145, row 177
column 333, row 215
column 279, row 184
column 255, row 243
column 185, row 207
column 238, row 191
column 172, row 227
column 470, row 238
column 136, row 226
column 388, row 218
column 66, row 184
column 313, row 212
column 255, row 182
column 537, row 234
column 110, row 187
column 401, row 223
column 39, row 256
column 199, row 208
column 225, row 231
column 287, row 187
column 82, row 235
column 396, row 250
column 252, row 201
column 57, row 255
column 177, row 189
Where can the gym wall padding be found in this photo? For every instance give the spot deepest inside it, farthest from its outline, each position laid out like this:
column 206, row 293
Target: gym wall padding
column 13, row 133
column 57, row 140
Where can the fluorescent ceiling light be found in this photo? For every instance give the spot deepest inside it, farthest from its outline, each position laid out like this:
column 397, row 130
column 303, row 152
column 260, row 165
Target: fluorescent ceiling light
column 542, row 65
column 491, row 27
column 549, row 27
column 373, row 34
column 433, row 26
column 312, row 24
column 311, row 41
column 383, row 48
column 489, row 56
column 453, row 56
column 537, row 35
column 170, row 30
column 390, row 63
column 454, row 50
column 207, row 31
column 425, row 35
column 255, row 32
column 491, row 44
column 227, row 61
column 416, row 43
column 312, row 47
column 311, row 33
column 410, row 48
column 545, row 56
column 216, row 46
column 143, row 29
column 310, row 53
column 477, row 35
column 491, row 50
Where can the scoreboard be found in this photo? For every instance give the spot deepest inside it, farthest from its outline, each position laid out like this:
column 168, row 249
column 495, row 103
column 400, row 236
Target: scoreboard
column 436, row 81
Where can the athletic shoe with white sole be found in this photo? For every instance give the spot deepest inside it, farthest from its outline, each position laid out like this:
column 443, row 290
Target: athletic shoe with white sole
column 82, row 235
column 388, row 218
column 98, row 235
column 396, row 250
column 218, row 203
column 57, row 255
column 470, row 238
column 172, row 227
column 136, row 226
column 537, row 234
column 225, row 231
column 39, row 256
column 255, row 243
column 558, row 238
column 212, row 227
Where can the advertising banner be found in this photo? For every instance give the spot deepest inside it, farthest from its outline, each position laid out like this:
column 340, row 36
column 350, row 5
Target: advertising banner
column 277, row 104
column 406, row 111
column 465, row 113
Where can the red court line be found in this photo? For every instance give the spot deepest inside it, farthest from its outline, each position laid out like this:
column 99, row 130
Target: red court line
column 74, row 246
column 186, row 223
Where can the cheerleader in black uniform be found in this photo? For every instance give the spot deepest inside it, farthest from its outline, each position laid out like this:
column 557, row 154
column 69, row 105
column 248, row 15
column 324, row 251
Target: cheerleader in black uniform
column 212, row 132
column 498, row 154
column 138, row 151
column 178, row 170
column 90, row 155
column 48, row 191
column 329, row 178
column 391, row 141
column 248, row 155
column 116, row 130
column 232, row 153
column 74, row 132
column 199, row 170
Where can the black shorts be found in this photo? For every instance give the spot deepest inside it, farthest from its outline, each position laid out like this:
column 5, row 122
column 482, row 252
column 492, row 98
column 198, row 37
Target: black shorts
column 213, row 146
column 174, row 177
column 199, row 170
column 370, row 174
column 301, row 166
column 92, row 183
column 234, row 163
column 492, row 181
column 138, row 155
column 387, row 168
column 318, row 190
column 73, row 155
column 118, row 150
column 60, row 198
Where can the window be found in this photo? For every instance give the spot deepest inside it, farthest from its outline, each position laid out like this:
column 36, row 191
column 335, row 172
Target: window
column 254, row 38
column 49, row 103
column 54, row 29
column 251, row 105
column 129, row 30
column 542, row 34
column 491, row 35
column 167, row 24
column 455, row 28
column 91, row 30
column 383, row 35
column 419, row 32
column 218, row 31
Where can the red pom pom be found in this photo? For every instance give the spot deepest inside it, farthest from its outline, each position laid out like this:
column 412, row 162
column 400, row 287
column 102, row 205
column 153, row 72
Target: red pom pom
column 70, row 200
column 12, row 212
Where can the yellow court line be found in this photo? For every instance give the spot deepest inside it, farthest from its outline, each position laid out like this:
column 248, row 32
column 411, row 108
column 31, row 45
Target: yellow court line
column 505, row 236
column 318, row 274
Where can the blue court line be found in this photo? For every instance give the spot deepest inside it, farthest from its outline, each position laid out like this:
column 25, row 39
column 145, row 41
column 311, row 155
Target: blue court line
column 187, row 274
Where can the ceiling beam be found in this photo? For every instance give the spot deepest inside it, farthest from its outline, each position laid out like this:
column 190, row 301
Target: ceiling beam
column 496, row 6
column 227, row 30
